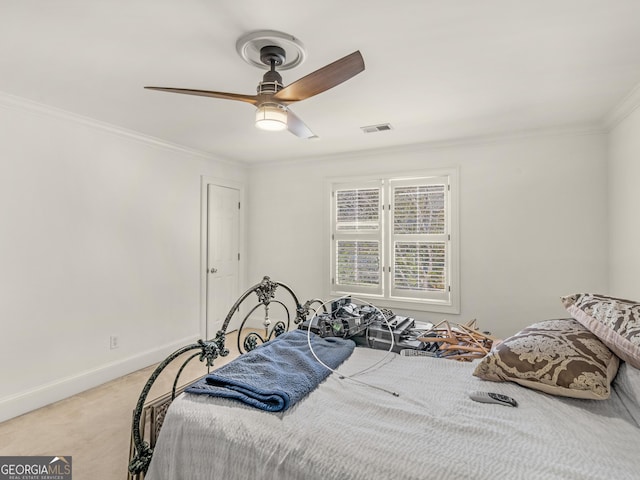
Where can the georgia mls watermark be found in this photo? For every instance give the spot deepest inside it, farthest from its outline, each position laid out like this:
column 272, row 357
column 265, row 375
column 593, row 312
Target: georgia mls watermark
column 35, row 468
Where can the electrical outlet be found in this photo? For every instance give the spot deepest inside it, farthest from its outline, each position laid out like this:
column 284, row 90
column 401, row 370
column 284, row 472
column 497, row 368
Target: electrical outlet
column 114, row 342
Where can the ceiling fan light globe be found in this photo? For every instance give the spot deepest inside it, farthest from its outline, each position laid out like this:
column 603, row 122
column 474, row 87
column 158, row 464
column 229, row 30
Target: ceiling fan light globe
column 271, row 118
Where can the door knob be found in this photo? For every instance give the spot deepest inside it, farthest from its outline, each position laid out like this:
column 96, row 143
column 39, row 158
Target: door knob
column 214, row 270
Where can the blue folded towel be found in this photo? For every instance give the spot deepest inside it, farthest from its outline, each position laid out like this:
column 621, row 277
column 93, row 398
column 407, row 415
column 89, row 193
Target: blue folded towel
column 275, row 375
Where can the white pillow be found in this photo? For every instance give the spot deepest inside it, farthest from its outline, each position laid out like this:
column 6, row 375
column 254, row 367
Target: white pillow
column 627, row 385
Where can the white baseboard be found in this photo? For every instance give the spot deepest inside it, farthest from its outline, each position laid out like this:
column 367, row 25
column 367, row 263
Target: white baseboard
column 26, row 401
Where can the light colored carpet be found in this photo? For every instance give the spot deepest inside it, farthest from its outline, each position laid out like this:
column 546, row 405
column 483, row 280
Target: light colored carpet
column 93, row 427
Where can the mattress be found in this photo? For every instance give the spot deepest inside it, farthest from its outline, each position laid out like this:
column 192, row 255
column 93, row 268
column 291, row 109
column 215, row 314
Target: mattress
column 358, row 429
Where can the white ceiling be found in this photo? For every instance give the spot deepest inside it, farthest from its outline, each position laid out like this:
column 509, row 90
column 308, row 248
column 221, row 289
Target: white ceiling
column 436, row 70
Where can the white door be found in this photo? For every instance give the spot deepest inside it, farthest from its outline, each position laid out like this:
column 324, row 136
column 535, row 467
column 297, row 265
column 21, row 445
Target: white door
column 223, row 254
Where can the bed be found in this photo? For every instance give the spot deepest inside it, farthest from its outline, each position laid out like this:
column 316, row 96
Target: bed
column 387, row 415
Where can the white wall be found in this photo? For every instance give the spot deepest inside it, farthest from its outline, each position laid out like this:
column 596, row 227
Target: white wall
column 624, row 207
column 532, row 211
column 99, row 236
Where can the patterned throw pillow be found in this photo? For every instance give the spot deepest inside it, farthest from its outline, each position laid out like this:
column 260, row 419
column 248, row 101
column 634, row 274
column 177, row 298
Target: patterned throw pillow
column 614, row 320
column 560, row 357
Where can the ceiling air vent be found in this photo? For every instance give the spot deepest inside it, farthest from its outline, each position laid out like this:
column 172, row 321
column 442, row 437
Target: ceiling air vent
column 383, row 127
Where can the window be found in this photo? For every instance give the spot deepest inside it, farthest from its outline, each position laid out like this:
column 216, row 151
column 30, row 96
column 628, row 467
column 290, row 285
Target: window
column 393, row 241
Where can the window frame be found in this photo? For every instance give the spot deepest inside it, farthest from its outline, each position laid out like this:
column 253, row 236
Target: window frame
column 384, row 296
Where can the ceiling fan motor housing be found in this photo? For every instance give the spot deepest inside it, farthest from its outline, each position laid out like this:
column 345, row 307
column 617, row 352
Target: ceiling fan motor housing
column 271, row 56
column 269, row 86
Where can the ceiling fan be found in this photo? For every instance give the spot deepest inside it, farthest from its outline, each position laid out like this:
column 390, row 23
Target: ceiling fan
column 273, row 98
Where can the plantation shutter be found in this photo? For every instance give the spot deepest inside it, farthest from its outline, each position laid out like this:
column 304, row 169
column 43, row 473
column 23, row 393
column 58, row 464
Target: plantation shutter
column 357, row 239
column 358, row 209
column 419, row 238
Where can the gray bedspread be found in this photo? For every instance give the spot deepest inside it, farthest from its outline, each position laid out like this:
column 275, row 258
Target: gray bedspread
column 344, row 430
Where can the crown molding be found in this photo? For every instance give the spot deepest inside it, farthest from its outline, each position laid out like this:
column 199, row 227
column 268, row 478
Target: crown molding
column 21, row 103
column 515, row 136
column 623, row 109
column 627, row 106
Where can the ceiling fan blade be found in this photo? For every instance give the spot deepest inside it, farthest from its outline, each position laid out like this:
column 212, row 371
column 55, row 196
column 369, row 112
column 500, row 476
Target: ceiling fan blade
column 298, row 127
column 323, row 79
column 252, row 99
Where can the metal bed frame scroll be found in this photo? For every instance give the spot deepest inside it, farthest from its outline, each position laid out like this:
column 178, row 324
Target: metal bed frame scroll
column 148, row 416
